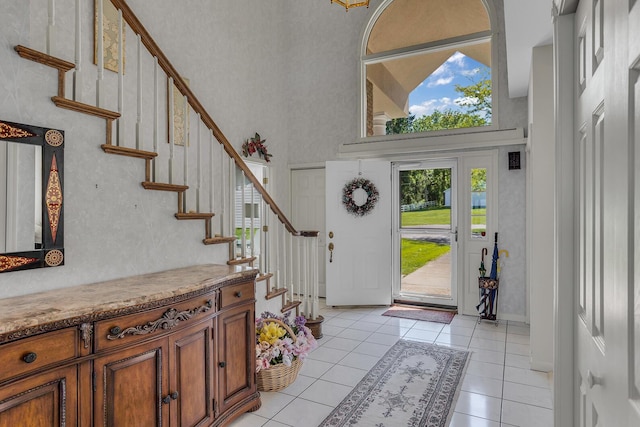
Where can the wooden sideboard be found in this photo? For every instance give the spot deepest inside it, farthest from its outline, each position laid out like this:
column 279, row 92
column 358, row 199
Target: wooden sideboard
column 174, row 348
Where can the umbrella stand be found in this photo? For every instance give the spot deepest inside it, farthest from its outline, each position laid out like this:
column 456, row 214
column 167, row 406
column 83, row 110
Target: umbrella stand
column 488, row 287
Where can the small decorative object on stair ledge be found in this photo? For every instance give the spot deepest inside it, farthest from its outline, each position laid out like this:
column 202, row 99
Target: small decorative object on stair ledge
column 281, row 345
column 256, row 145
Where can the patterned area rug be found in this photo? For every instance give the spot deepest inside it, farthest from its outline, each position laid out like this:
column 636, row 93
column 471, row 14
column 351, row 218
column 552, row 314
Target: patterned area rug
column 439, row 316
column 415, row 384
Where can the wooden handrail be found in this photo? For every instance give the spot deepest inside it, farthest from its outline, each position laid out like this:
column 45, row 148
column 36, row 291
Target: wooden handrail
column 163, row 61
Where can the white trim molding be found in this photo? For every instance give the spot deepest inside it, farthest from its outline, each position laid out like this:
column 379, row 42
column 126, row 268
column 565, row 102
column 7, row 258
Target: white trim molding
column 412, row 144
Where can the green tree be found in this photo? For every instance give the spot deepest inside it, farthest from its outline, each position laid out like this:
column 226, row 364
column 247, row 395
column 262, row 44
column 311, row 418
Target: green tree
column 438, row 180
column 412, row 186
column 475, row 100
column 479, row 179
column 476, row 97
column 420, row 185
column 447, row 119
column 400, row 125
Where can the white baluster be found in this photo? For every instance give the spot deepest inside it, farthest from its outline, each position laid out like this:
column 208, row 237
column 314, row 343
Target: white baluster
column 211, row 181
column 243, row 237
column 120, row 121
column 100, row 54
column 51, row 26
column 198, row 166
column 231, row 196
column 185, row 157
column 139, row 96
column 299, row 264
column 77, row 71
column 285, row 259
column 223, row 205
column 276, row 231
column 251, row 225
column 316, row 286
column 290, row 258
column 171, row 129
column 156, row 112
column 305, row 276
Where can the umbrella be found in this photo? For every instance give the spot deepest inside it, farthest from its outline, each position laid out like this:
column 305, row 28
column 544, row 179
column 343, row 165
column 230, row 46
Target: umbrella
column 482, row 269
column 494, row 276
column 494, row 260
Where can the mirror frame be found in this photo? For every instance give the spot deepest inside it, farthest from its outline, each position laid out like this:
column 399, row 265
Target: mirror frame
column 51, row 254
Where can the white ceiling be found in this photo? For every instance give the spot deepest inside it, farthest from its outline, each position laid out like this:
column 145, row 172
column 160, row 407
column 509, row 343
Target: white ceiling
column 527, row 25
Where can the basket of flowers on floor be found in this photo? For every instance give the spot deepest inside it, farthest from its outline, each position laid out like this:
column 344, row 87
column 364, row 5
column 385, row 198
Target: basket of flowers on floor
column 281, row 345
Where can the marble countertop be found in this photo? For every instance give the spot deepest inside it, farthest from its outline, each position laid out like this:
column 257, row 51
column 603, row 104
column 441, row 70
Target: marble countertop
column 44, row 308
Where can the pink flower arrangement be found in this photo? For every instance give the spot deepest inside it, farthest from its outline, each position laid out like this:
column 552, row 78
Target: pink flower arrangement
column 275, row 345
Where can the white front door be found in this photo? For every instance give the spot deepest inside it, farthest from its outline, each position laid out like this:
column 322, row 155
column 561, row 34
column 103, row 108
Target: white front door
column 358, row 268
column 307, row 211
column 426, row 230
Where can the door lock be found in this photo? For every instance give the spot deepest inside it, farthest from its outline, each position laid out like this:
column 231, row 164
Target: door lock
column 331, row 252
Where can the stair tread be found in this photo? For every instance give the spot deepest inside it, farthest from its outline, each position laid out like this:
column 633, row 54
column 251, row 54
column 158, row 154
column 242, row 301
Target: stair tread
column 290, row 306
column 161, row 186
column 129, row 152
column 217, row 240
column 276, row 292
column 84, row 108
column 265, row 276
column 194, row 215
column 237, row 261
column 43, row 58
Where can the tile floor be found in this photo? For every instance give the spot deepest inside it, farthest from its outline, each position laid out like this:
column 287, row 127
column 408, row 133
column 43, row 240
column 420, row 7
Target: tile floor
column 498, row 390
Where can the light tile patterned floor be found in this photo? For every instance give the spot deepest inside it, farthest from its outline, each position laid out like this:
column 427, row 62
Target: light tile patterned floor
column 498, row 390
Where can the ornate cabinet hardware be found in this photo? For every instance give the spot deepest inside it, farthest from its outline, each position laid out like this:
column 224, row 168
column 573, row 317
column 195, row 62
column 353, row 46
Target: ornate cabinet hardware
column 169, row 320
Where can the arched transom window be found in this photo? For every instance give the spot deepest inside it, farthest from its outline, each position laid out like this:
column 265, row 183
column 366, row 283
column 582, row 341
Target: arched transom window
column 428, row 66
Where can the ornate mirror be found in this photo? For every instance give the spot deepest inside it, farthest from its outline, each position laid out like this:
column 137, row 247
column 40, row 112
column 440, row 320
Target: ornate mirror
column 31, row 187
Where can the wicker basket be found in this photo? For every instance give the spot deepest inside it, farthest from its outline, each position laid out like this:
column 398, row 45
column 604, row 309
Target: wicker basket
column 279, row 376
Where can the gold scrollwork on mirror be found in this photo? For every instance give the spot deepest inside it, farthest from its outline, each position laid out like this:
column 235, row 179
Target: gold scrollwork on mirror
column 31, row 197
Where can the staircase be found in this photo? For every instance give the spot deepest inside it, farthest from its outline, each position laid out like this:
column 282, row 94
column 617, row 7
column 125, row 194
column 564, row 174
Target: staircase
column 287, row 258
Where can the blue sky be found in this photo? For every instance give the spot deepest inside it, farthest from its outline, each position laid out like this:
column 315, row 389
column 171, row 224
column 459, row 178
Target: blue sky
column 437, row 92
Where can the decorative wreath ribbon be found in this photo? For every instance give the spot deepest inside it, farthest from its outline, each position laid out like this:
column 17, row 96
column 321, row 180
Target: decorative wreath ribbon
column 350, row 204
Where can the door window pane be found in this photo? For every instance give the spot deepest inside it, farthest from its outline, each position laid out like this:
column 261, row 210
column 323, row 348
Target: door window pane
column 478, row 203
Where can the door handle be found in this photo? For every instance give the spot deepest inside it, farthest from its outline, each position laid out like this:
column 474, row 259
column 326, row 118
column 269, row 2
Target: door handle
column 331, row 252
column 593, row 380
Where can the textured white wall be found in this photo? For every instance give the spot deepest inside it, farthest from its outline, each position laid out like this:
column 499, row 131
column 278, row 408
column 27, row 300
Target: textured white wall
column 113, row 227
column 511, row 217
column 286, row 69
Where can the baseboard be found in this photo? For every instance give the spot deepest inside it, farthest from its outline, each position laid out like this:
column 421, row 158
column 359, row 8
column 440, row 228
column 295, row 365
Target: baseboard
column 512, row 317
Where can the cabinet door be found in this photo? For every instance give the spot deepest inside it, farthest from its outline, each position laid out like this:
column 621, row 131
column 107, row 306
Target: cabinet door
column 49, row 399
column 129, row 387
column 236, row 355
column 191, row 362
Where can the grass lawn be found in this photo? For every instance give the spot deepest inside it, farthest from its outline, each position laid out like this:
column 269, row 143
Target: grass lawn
column 416, row 253
column 438, row 216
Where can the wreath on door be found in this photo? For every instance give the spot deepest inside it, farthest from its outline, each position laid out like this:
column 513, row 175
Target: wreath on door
column 353, row 186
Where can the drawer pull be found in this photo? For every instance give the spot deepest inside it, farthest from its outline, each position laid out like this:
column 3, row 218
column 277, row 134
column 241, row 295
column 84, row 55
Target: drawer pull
column 238, row 294
column 169, row 320
column 30, row 357
column 174, row 395
column 222, row 364
column 166, row 400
